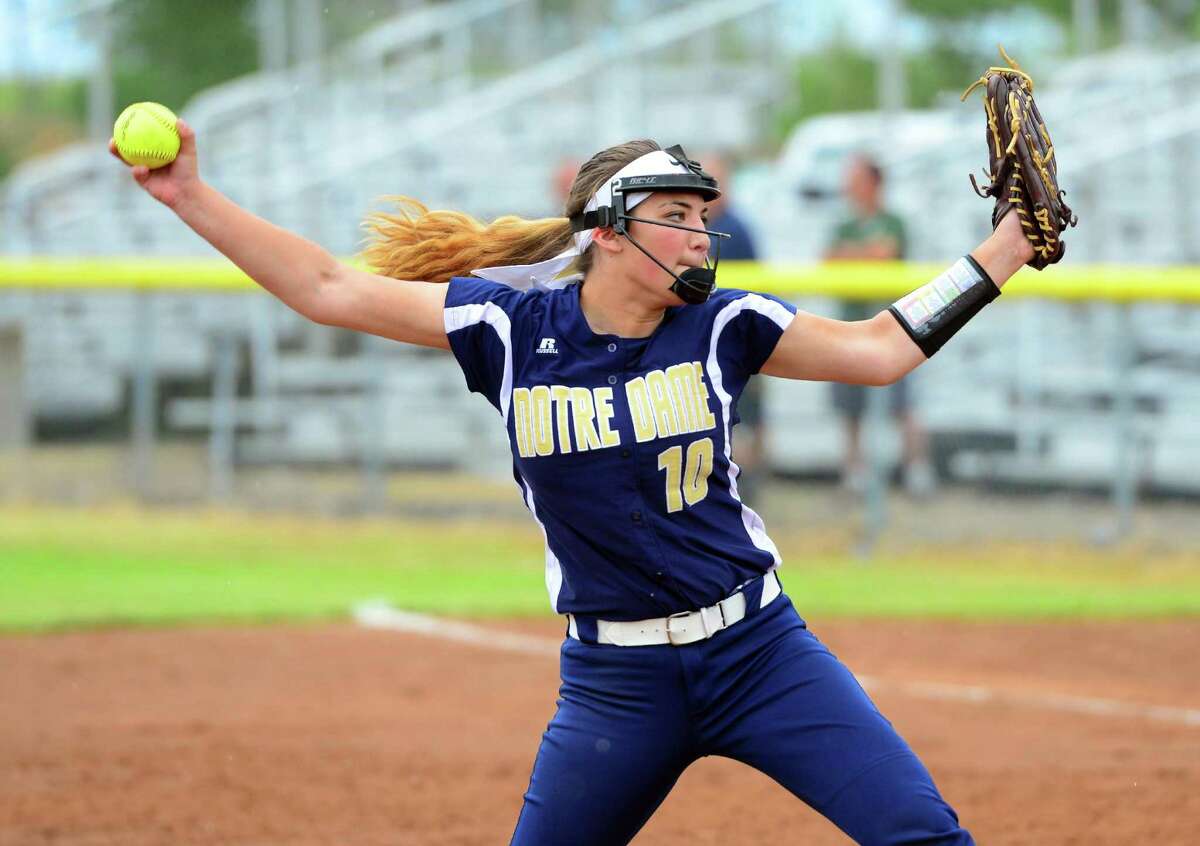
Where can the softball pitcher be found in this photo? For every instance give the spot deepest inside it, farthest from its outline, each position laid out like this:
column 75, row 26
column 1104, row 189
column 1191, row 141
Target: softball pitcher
column 618, row 386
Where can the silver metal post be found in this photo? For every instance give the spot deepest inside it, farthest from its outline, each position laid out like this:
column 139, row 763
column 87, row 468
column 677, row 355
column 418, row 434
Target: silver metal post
column 374, row 424
column 1029, row 381
column 1086, row 17
column 456, row 62
column 1135, row 21
column 1125, row 482
column 145, row 395
column 264, row 348
column 271, row 23
column 101, row 91
column 223, row 421
column 15, row 413
column 891, row 86
column 877, row 467
column 310, row 35
column 522, row 28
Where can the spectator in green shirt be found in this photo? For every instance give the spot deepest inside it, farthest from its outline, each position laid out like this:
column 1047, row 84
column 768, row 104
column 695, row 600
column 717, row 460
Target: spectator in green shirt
column 872, row 233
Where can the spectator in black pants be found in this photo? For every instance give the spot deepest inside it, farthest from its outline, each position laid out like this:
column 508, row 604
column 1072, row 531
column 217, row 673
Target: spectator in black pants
column 872, row 233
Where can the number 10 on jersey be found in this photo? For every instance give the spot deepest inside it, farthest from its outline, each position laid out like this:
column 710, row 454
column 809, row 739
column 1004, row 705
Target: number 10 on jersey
column 687, row 481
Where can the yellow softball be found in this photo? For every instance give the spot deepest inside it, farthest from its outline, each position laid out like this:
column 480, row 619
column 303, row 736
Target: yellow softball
column 145, row 134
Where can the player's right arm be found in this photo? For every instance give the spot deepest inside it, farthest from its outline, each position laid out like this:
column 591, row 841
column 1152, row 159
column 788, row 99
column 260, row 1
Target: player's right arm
column 305, row 276
column 881, row 350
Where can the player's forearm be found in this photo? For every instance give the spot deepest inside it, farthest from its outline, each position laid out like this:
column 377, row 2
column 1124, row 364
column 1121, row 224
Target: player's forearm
column 292, row 268
column 1001, row 256
column 933, row 313
column 898, row 356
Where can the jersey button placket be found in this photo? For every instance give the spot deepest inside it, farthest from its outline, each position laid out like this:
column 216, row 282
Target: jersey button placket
column 637, row 516
column 641, row 520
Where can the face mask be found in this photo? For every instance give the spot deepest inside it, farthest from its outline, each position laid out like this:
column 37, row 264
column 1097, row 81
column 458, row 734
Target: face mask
column 661, row 170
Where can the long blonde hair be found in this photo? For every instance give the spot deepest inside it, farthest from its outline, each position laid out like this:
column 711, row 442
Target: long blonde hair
column 415, row 243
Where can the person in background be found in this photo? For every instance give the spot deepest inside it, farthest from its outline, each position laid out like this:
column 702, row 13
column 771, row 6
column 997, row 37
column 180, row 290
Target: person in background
column 561, row 180
column 750, row 436
column 872, row 233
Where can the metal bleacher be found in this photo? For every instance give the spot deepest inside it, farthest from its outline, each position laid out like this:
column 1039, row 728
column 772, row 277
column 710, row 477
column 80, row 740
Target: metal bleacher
column 1045, row 377
column 402, row 109
column 426, row 104
column 462, row 104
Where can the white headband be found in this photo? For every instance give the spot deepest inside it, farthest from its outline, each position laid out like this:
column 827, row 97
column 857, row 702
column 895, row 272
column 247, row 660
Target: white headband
column 541, row 275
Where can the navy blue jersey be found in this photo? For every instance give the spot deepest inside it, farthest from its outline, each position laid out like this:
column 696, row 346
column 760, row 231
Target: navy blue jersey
column 621, row 446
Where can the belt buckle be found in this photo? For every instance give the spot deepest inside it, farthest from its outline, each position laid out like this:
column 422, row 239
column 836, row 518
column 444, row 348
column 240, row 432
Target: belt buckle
column 680, row 615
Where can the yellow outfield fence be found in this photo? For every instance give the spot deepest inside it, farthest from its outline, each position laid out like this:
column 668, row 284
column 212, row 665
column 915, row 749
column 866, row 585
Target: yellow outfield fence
column 847, row 280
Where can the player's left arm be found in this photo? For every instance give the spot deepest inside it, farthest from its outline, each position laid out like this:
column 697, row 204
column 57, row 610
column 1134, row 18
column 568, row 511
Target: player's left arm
column 880, row 351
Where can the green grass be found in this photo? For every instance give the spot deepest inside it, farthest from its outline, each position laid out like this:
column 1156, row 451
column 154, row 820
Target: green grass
column 69, row 568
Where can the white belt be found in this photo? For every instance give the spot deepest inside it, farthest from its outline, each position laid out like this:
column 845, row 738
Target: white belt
column 683, row 628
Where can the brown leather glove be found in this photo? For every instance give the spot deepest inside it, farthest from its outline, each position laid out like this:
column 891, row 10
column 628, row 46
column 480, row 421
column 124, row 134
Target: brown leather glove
column 1023, row 170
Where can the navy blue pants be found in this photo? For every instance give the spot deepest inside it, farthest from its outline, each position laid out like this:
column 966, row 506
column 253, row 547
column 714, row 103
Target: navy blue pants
column 765, row 692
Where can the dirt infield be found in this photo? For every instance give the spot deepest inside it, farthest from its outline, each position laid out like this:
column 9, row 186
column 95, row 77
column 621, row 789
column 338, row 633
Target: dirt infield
column 339, row 735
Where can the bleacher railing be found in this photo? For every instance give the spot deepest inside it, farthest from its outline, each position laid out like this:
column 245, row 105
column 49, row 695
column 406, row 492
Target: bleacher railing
column 1014, row 372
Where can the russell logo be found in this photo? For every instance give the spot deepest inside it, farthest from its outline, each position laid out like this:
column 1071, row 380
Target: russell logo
column 547, row 347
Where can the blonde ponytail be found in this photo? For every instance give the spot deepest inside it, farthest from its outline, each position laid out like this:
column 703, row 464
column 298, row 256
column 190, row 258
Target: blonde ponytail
column 415, row 243
column 433, row 246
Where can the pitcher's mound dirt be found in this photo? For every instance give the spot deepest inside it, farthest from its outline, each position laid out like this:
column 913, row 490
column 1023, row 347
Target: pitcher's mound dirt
column 338, row 735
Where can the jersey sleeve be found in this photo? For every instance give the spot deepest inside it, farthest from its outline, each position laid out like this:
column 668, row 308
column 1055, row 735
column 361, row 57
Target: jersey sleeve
column 482, row 318
column 748, row 329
